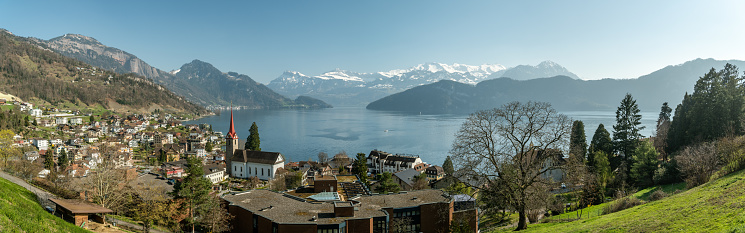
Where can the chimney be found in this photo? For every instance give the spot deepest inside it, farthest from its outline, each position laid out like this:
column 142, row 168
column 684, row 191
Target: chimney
column 343, row 209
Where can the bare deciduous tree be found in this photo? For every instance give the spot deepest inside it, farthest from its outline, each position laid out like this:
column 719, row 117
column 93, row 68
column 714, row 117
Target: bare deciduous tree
column 151, row 204
column 514, row 146
column 216, row 219
column 698, row 163
column 103, row 185
column 323, row 157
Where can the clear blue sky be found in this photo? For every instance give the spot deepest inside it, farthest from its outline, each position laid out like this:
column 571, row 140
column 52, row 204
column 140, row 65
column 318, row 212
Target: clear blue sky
column 594, row 39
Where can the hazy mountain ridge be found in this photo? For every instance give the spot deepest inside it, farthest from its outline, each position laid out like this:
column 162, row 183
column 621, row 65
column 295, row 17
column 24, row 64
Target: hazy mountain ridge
column 351, row 88
column 205, row 87
column 668, row 84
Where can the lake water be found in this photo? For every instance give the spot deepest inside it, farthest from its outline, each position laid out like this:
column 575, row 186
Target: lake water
column 302, row 134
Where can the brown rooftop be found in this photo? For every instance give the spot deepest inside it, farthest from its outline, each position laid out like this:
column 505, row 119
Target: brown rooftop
column 287, row 210
column 282, row 209
column 77, row 206
column 401, row 200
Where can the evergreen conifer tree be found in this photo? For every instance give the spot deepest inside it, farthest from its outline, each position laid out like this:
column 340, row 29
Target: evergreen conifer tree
column 49, row 159
column 447, row 166
column 253, row 142
column 644, row 165
column 62, row 161
column 628, row 124
column 193, row 191
column 359, row 167
column 578, row 141
column 208, row 146
column 601, row 141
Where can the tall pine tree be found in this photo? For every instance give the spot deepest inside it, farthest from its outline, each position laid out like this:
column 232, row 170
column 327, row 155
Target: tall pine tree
column 626, row 131
column 663, row 126
column 253, row 142
column 628, row 124
column 578, row 141
column 62, row 161
column 193, row 191
column 601, row 141
column 49, row 159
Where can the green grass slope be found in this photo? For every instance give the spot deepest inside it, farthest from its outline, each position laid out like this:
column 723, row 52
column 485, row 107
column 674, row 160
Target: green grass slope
column 718, row 206
column 19, row 212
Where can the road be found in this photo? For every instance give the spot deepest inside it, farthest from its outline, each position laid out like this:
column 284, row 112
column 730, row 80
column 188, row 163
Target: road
column 42, row 194
column 130, row 226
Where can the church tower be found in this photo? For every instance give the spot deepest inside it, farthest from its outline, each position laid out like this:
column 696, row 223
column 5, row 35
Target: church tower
column 231, row 143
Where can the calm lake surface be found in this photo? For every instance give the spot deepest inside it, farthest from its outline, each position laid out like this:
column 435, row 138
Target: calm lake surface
column 302, row 134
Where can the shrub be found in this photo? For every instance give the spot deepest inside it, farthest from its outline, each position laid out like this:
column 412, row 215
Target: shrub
column 658, row 195
column 731, row 152
column 667, row 173
column 56, row 190
column 556, row 205
column 698, row 163
column 533, row 215
column 621, row 204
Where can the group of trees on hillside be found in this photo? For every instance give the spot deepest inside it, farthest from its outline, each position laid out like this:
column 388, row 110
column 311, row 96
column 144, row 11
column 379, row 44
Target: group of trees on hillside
column 29, row 72
column 512, row 147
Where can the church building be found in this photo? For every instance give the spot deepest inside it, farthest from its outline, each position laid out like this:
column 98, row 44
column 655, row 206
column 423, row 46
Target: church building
column 243, row 163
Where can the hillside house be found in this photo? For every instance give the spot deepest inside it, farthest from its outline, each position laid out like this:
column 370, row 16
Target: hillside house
column 380, row 161
column 215, row 172
column 405, row 178
column 434, row 173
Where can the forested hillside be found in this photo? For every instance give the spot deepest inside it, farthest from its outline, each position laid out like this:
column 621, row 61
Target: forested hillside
column 36, row 74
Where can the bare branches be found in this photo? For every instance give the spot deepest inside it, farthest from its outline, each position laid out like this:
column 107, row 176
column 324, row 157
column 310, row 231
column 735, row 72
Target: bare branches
column 698, row 163
column 514, row 147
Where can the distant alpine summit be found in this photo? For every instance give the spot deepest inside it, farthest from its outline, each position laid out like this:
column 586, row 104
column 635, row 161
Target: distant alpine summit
column 668, row 84
column 341, row 87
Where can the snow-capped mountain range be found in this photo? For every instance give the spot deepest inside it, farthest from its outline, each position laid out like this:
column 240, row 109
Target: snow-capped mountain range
column 342, row 87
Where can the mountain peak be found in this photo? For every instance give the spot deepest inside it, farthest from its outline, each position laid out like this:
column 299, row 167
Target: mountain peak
column 548, row 64
column 292, row 73
column 77, row 38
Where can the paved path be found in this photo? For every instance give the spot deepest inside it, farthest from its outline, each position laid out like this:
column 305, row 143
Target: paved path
column 120, row 223
column 42, row 194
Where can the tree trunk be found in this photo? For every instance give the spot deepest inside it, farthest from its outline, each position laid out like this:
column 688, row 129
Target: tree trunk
column 522, row 224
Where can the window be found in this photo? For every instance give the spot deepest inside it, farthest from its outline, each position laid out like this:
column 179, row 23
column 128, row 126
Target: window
column 249, row 170
column 256, row 223
column 262, row 171
column 379, row 225
column 241, row 169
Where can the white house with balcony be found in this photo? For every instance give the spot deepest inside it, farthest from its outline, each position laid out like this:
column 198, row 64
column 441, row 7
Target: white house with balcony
column 380, row 161
column 35, row 112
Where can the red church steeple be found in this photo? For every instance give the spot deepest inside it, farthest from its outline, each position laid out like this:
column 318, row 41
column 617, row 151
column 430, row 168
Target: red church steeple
column 231, row 132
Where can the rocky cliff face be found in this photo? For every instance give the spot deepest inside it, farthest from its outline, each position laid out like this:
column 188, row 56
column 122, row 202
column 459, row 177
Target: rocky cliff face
column 197, row 81
column 91, row 51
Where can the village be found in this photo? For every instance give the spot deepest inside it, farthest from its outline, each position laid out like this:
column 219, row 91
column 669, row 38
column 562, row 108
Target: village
column 69, row 150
